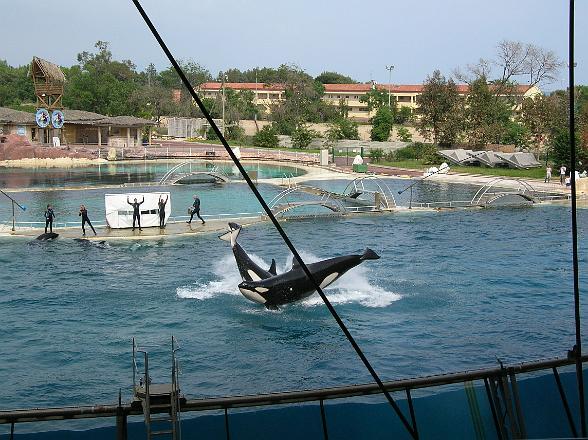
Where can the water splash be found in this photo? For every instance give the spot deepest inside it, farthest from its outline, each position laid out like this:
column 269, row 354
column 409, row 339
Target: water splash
column 353, row 287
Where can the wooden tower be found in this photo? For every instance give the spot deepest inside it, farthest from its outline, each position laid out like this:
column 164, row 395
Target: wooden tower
column 48, row 80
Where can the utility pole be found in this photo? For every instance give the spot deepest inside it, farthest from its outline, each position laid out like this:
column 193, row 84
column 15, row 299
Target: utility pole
column 223, row 99
column 389, row 69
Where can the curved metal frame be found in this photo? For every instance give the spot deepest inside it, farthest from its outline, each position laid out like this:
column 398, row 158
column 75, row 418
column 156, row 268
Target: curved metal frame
column 330, row 205
column 215, row 172
column 522, row 190
column 382, row 186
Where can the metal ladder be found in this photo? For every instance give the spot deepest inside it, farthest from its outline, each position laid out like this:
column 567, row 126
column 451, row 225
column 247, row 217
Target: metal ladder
column 165, row 400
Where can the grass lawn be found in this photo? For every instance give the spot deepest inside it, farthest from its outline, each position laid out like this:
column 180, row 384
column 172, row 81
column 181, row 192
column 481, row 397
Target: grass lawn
column 534, row 173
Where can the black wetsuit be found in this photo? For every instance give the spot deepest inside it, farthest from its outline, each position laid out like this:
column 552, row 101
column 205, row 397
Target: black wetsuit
column 136, row 212
column 84, row 214
column 162, row 204
column 49, row 216
column 196, row 210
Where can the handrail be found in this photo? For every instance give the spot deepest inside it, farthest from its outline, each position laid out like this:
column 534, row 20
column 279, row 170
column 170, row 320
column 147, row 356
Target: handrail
column 341, row 392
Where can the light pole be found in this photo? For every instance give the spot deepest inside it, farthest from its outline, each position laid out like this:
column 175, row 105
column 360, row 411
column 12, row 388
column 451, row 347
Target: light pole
column 224, row 77
column 389, row 69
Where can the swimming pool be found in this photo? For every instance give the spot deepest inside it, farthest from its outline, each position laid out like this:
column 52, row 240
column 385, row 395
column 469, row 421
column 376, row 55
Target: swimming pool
column 119, row 173
column 452, row 291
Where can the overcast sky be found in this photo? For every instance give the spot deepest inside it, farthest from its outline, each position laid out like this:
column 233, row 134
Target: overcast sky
column 357, row 38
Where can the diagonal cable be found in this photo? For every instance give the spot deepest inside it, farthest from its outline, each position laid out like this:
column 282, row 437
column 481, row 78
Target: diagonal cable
column 273, row 219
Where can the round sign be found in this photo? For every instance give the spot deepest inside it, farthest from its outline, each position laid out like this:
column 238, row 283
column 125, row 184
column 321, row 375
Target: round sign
column 57, row 119
column 42, row 117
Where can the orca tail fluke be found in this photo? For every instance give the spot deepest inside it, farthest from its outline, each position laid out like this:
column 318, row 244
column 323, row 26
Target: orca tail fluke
column 272, row 268
column 232, row 235
column 368, row 254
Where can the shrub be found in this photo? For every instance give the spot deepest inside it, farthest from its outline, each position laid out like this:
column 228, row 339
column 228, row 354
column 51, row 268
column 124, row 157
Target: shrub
column 376, row 154
column 404, row 135
column 266, row 138
column 382, row 124
column 418, row 150
column 302, row 136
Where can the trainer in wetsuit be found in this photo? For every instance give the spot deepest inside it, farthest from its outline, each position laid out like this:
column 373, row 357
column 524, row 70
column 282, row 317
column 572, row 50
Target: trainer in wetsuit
column 196, row 210
column 161, row 205
column 85, row 219
column 49, row 216
column 136, row 211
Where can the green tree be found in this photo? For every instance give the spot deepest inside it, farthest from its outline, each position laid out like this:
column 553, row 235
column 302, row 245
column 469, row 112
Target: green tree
column 403, row 115
column 100, row 84
column 303, row 101
column 334, row 78
column 266, row 138
column 376, row 98
column 487, row 115
column 440, row 110
column 302, row 136
column 342, row 128
column 15, row 86
column 382, row 124
column 403, row 134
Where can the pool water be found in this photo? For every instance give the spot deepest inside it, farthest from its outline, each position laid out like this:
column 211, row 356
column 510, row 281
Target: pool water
column 452, row 291
column 117, row 173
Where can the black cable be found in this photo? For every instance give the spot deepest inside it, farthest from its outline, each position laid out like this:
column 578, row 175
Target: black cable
column 579, row 371
column 275, row 222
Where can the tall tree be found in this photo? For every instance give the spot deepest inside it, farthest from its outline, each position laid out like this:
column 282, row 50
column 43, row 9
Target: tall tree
column 487, row 118
column 15, row 86
column 440, row 110
column 100, row 84
column 303, row 101
column 334, row 78
column 382, row 123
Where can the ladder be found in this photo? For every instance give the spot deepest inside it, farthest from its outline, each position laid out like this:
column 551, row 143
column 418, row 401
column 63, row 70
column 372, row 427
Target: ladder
column 161, row 403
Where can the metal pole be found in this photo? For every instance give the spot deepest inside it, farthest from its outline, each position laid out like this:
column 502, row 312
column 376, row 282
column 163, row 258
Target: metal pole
column 579, row 371
column 227, row 425
column 13, row 215
column 324, row 421
column 564, row 401
column 389, row 68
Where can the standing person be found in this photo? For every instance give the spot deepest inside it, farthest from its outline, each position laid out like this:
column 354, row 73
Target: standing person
column 49, row 216
column 85, row 219
column 548, row 174
column 195, row 210
column 562, row 174
column 136, row 211
column 161, row 205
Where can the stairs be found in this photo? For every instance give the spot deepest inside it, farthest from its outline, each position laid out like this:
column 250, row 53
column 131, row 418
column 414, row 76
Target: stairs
column 161, row 403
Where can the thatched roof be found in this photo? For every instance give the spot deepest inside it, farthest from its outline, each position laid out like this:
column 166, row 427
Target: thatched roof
column 84, row 117
column 10, row 116
column 43, row 68
column 78, row 117
column 128, row 121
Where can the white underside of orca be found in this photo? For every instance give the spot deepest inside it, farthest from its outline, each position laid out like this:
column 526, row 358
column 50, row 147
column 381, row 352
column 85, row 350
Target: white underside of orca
column 253, row 275
column 329, row 279
column 253, row 296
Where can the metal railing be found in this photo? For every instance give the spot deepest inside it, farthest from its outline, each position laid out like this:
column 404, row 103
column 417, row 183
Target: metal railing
column 487, row 375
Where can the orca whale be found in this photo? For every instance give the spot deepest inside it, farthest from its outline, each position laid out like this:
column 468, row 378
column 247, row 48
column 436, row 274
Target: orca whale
column 47, row 236
column 273, row 290
column 248, row 269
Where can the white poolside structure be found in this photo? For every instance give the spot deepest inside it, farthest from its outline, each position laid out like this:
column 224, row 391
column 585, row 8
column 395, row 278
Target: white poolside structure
column 459, row 156
column 119, row 214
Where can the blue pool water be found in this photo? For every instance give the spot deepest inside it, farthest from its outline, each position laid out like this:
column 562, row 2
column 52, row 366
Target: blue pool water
column 117, row 173
column 452, row 291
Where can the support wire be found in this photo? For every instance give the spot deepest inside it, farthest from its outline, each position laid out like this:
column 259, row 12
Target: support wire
column 403, row 419
column 578, row 350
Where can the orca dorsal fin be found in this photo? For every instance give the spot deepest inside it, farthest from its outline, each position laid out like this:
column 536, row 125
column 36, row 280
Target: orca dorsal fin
column 272, row 268
column 295, row 264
